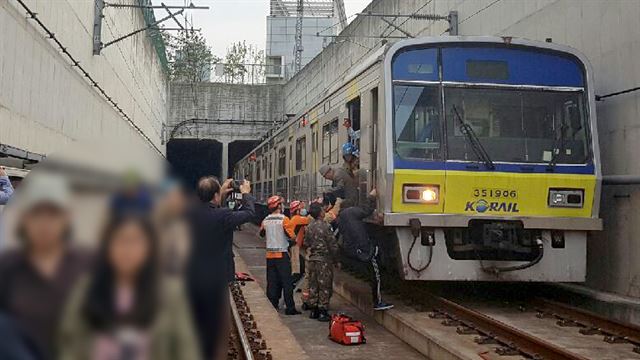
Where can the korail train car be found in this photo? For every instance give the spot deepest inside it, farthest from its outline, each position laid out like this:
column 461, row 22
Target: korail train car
column 484, row 151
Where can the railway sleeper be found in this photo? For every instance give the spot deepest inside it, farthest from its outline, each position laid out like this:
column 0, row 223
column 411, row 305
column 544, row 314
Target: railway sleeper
column 485, row 340
column 466, row 330
column 615, row 339
column 591, row 331
column 508, row 351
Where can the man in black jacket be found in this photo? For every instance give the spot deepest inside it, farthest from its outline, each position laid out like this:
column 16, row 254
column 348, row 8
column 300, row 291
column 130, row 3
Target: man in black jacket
column 358, row 245
column 209, row 268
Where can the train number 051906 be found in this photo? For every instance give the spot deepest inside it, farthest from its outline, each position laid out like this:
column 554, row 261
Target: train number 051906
column 495, row 193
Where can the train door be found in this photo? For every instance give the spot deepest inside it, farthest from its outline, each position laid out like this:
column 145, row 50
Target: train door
column 373, row 140
column 313, row 185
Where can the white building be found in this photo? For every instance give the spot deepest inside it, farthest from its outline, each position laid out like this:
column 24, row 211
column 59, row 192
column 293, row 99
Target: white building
column 319, row 25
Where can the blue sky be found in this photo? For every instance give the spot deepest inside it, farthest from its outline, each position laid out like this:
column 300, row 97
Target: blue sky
column 229, row 21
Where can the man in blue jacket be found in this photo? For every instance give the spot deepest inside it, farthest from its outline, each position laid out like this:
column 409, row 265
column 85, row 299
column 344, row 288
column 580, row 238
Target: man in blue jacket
column 6, row 189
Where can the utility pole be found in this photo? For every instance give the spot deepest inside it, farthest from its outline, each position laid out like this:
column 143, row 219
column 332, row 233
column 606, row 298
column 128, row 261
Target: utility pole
column 299, row 49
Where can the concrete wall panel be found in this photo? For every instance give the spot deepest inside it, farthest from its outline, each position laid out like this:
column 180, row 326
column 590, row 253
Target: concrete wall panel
column 45, row 104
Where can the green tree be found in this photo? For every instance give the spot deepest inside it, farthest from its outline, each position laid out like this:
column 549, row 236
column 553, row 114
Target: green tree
column 190, row 58
column 244, row 63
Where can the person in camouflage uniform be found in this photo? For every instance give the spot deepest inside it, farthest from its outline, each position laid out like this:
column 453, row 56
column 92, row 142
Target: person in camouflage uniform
column 321, row 247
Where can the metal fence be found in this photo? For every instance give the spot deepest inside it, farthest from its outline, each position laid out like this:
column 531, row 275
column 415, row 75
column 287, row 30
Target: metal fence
column 252, row 74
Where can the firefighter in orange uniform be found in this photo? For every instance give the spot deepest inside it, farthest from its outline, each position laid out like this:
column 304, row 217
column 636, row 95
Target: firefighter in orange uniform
column 276, row 230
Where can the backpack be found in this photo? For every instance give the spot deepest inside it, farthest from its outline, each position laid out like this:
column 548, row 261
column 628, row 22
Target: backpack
column 345, row 330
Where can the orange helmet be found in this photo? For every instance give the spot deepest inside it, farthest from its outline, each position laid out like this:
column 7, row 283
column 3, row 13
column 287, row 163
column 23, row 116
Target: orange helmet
column 274, row 201
column 295, row 205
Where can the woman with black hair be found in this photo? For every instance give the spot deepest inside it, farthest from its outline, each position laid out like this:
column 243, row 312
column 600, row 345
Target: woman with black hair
column 125, row 309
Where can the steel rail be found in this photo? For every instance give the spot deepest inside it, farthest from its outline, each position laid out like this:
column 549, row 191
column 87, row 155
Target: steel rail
column 592, row 323
column 512, row 338
column 244, row 339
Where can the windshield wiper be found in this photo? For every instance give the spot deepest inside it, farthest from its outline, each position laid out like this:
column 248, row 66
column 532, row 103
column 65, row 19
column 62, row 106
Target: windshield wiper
column 558, row 147
column 473, row 141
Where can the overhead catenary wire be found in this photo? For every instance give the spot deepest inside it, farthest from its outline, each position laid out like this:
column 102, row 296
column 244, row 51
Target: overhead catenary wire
column 75, row 63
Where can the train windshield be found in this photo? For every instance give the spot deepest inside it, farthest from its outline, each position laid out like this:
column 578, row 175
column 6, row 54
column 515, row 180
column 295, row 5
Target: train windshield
column 517, row 126
column 520, row 105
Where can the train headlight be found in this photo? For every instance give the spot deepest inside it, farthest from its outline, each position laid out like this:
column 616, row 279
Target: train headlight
column 421, row 194
column 570, row 198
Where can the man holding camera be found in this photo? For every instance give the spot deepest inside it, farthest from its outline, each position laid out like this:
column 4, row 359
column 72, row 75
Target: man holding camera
column 209, row 268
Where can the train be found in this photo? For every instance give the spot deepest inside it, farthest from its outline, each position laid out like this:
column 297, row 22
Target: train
column 484, row 151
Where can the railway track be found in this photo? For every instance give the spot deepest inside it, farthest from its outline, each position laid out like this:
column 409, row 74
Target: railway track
column 245, row 342
column 518, row 323
column 589, row 324
column 509, row 340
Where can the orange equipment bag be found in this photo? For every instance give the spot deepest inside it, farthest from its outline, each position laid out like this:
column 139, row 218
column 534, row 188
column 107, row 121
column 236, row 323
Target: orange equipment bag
column 345, row 330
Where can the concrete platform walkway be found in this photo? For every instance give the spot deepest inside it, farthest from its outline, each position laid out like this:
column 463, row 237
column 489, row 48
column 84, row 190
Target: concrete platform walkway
column 311, row 335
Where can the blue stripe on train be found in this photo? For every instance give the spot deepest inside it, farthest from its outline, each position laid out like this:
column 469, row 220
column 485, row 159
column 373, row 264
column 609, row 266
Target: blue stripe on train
column 399, row 163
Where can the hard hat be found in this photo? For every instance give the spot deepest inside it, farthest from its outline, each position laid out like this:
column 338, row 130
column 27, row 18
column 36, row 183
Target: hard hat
column 295, row 205
column 274, row 201
column 349, row 149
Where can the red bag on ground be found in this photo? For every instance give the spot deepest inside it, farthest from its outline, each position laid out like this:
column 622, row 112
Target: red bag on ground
column 345, row 330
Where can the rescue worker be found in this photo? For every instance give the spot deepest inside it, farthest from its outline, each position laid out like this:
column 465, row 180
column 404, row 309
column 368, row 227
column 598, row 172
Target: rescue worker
column 344, row 183
column 322, row 248
column 276, row 230
column 359, row 246
column 299, row 220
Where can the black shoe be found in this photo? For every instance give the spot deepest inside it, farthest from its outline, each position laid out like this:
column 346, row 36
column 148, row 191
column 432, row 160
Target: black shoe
column 292, row 312
column 315, row 313
column 305, row 307
column 323, row 315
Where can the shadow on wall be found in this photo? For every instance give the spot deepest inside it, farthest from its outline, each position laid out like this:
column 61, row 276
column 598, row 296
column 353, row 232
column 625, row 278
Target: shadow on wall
column 191, row 159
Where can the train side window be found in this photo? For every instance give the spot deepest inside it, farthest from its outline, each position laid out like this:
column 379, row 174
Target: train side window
column 258, row 169
column 353, row 108
column 282, row 161
column 301, row 154
column 330, row 143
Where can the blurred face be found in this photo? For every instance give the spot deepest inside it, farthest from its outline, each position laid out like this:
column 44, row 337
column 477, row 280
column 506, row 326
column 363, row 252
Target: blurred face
column 175, row 201
column 128, row 250
column 44, row 227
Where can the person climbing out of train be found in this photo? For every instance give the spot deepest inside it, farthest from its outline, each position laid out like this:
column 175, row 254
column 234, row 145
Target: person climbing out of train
column 344, row 184
column 277, row 232
column 358, row 245
column 299, row 220
column 322, row 248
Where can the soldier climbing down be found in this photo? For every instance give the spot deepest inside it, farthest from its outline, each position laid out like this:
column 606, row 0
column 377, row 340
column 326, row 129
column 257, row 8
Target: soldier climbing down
column 322, row 249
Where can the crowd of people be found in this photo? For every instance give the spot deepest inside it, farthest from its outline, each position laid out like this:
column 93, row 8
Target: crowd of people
column 155, row 285
column 311, row 242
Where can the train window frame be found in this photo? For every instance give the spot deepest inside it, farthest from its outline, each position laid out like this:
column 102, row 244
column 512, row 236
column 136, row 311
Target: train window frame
column 438, row 152
column 301, row 153
column 354, row 111
column 282, row 161
column 330, row 132
column 258, row 168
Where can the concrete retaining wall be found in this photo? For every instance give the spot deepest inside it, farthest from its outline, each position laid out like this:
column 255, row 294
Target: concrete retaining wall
column 45, row 104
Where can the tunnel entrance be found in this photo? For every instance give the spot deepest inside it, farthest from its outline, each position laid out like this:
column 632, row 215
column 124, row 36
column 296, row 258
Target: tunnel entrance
column 239, row 149
column 191, row 159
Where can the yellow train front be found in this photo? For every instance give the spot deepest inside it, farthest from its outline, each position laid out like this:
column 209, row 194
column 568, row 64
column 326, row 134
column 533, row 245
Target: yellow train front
column 491, row 169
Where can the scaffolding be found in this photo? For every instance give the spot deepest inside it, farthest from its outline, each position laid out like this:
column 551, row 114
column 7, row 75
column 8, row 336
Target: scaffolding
column 312, row 8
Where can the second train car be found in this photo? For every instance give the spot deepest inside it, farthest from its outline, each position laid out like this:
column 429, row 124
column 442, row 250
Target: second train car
column 484, row 151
